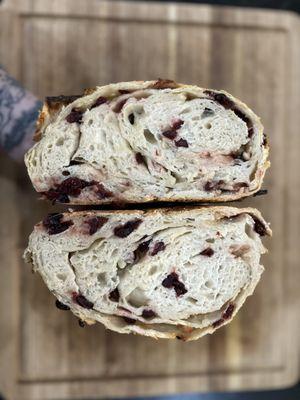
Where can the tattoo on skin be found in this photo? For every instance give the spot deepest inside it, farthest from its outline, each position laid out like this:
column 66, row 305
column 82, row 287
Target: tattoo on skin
column 18, row 113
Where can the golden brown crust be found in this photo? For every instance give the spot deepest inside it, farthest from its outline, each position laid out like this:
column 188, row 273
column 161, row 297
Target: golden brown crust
column 164, row 84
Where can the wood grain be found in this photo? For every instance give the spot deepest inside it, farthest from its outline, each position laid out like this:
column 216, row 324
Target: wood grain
column 67, row 45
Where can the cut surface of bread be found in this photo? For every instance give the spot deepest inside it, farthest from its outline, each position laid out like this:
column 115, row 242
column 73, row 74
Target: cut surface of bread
column 165, row 273
column 142, row 141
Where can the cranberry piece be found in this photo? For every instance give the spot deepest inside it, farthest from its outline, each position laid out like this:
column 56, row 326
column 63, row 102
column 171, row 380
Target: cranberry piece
column 62, row 306
column 102, row 192
column 82, row 301
column 114, row 295
column 218, row 322
column 54, row 225
column 68, row 187
column 140, row 159
column 95, row 224
column 131, row 118
column 181, row 143
column 180, row 289
column 141, row 250
column 259, row 226
column 118, row 107
column 148, row 314
column 158, row 246
column 124, row 91
column 66, row 173
column 207, row 252
column 144, row 246
column 74, row 116
column 170, row 134
column 168, row 282
column 72, row 186
column 63, row 198
column 211, row 185
column 220, row 98
column 99, row 101
column 177, row 124
column 126, row 229
column 172, row 281
column 129, row 320
column 228, row 313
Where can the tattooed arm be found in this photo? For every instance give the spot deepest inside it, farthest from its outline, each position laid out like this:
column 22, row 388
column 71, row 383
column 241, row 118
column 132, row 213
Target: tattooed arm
column 18, row 113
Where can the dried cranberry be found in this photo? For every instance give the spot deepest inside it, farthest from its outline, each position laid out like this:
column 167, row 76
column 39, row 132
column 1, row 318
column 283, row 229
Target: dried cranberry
column 99, row 101
column 66, row 173
column 180, row 289
column 181, row 143
column 172, row 281
column 118, row 107
column 82, row 301
column 68, row 187
column 72, row 186
column 207, row 252
column 218, row 322
column 141, row 250
column 147, row 314
column 177, row 124
column 140, row 159
column 54, row 225
column 220, row 98
column 158, row 246
column 226, row 315
column 259, row 227
column 211, row 185
column 144, row 246
column 124, row 91
column 62, row 306
column 131, row 118
column 129, row 320
column 126, row 229
column 51, row 195
column 96, row 223
column 74, row 116
column 228, row 312
column 168, row 282
column 114, row 295
column 170, row 134
column 102, row 192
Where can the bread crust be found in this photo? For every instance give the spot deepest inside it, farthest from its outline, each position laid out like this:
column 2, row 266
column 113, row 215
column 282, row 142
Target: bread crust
column 218, row 212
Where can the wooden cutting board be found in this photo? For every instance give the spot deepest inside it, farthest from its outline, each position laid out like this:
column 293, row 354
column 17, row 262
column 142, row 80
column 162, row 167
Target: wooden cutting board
column 63, row 46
